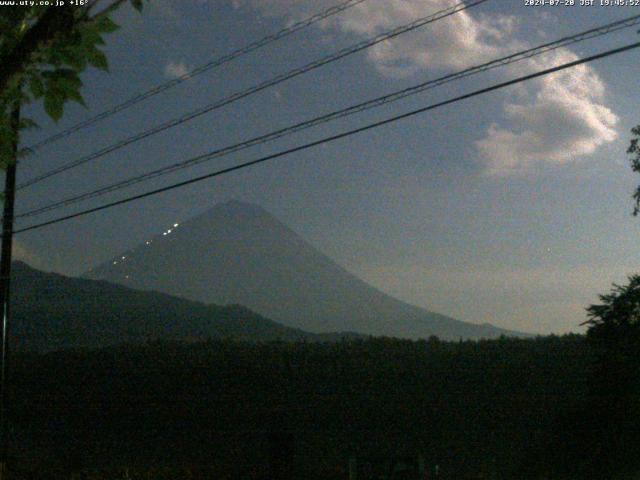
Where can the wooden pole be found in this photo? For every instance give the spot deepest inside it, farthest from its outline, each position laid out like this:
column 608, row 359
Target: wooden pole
column 5, row 280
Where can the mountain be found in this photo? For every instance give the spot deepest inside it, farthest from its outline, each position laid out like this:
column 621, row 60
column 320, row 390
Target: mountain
column 239, row 253
column 52, row 312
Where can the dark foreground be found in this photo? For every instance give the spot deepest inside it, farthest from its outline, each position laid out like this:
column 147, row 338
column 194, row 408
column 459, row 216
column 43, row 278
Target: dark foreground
column 493, row 409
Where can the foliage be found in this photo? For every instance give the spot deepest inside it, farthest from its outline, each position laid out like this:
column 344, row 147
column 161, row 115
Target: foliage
column 43, row 51
column 634, row 150
column 614, row 381
column 618, row 316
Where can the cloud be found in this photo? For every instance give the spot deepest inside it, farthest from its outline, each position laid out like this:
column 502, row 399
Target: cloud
column 564, row 120
column 554, row 120
column 455, row 41
column 175, row 69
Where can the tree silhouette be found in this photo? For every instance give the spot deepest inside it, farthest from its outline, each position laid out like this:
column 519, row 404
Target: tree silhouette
column 618, row 316
column 634, row 149
column 614, row 334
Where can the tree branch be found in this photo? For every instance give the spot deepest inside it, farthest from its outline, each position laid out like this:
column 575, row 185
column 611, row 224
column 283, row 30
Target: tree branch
column 53, row 22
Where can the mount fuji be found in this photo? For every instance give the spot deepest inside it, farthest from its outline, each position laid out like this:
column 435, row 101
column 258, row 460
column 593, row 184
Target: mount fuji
column 238, row 253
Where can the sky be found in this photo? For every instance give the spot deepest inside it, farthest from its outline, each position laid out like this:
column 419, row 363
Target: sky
column 512, row 208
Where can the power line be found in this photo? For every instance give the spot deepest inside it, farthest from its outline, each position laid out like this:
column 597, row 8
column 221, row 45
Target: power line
column 258, row 88
column 201, row 69
column 335, row 137
column 515, row 57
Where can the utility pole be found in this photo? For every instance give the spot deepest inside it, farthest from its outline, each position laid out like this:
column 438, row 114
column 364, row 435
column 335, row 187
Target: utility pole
column 5, row 277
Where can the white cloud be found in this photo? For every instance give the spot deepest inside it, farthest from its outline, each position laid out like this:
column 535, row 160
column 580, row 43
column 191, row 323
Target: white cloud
column 563, row 116
column 455, row 41
column 175, row 69
column 451, row 43
column 564, row 120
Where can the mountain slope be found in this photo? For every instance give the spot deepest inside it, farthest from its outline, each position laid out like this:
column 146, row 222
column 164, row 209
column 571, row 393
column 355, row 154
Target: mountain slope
column 52, row 312
column 239, row 253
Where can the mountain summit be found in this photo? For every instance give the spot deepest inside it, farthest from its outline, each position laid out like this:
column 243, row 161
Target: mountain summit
column 237, row 253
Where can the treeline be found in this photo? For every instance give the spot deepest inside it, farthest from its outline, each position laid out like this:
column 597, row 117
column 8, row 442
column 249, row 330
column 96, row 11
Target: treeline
column 507, row 408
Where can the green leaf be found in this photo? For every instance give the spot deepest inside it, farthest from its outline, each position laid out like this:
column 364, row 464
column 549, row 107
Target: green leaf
column 36, row 86
column 54, row 106
column 63, row 76
column 90, row 36
column 106, row 25
column 67, row 80
column 76, row 96
column 27, row 123
column 75, row 56
column 137, row 4
column 98, row 59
